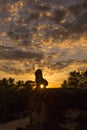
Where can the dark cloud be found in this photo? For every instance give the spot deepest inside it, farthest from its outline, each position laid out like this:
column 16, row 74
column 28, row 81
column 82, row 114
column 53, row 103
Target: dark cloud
column 82, row 19
column 3, row 11
column 5, row 47
column 74, row 30
column 19, row 55
column 18, row 32
column 34, row 11
column 7, row 68
column 64, row 64
column 57, row 34
column 60, row 65
column 38, row 11
column 81, row 25
column 58, row 15
column 34, row 15
column 76, row 9
column 43, row 7
column 85, row 4
column 3, row 14
column 10, row 1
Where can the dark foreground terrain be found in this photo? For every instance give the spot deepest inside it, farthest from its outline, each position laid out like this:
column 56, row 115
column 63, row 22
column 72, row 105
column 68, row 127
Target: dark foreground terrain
column 66, row 109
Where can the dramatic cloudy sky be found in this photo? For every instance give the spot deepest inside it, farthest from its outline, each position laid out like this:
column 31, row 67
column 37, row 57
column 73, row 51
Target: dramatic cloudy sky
column 46, row 34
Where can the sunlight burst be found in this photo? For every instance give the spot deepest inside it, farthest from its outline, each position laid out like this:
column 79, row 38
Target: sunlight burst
column 41, row 86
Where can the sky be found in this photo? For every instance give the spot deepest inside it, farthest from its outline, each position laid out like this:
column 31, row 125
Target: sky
column 47, row 34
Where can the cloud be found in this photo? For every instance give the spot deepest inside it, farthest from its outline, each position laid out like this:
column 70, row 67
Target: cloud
column 82, row 19
column 85, row 4
column 63, row 64
column 76, row 9
column 5, row 47
column 40, row 10
column 11, row 69
column 43, row 7
column 14, row 54
column 21, row 34
column 42, row 34
column 69, row 65
column 25, row 28
column 18, row 66
column 81, row 25
column 73, row 31
column 58, row 15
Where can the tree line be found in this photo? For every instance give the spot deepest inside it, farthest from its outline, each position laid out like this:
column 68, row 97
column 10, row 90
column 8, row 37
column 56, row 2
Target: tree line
column 76, row 79
column 15, row 96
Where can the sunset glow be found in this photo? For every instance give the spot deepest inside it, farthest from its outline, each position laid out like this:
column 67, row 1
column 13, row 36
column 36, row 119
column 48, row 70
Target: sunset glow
column 50, row 35
column 41, row 86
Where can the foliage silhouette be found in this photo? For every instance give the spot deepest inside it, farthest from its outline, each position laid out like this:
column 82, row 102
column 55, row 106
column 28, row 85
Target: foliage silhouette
column 75, row 80
column 15, row 96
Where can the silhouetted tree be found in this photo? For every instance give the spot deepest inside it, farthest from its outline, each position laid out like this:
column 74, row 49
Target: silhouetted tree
column 85, row 74
column 4, row 82
column 64, row 84
column 20, row 84
column 29, row 85
column 75, row 80
column 11, row 83
column 15, row 96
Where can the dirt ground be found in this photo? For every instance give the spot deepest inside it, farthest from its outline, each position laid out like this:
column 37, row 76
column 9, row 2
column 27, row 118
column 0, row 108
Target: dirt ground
column 14, row 124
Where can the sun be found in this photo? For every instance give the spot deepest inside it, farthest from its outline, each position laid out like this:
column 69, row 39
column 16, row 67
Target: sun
column 41, row 86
